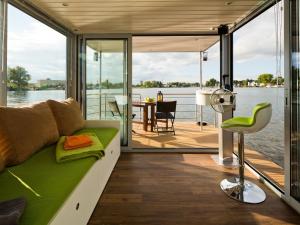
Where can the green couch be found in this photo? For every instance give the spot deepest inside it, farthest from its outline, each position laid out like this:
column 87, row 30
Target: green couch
column 54, row 191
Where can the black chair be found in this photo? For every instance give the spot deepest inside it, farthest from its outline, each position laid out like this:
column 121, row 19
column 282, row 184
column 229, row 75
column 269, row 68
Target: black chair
column 115, row 111
column 165, row 111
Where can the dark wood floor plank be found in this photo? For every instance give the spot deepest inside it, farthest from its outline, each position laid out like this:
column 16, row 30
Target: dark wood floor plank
column 180, row 189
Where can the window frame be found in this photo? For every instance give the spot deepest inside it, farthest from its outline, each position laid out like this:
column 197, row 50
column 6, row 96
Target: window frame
column 71, row 81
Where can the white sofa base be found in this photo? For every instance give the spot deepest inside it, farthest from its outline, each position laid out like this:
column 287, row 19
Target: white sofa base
column 79, row 206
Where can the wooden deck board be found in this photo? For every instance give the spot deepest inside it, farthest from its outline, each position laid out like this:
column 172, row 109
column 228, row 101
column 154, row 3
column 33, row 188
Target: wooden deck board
column 188, row 135
column 268, row 168
column 180, row 189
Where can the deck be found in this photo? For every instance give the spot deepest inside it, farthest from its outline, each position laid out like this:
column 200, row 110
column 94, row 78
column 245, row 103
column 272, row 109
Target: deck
column 181, row 189
column 268, row 168
column 188, row 136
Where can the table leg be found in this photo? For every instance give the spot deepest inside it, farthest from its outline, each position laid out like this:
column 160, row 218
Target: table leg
column 152, row 117
column 145, row 118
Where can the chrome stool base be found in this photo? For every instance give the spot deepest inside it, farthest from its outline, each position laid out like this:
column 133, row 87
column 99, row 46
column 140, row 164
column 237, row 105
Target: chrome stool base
column 247, row 193
column 228, row 162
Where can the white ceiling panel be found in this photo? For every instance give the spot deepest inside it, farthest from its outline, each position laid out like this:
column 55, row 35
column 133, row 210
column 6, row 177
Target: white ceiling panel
column 146, row 16
column 173, row 43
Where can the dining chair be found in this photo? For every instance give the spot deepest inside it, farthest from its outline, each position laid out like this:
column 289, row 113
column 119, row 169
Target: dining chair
column 165, row 111
column 115, row 111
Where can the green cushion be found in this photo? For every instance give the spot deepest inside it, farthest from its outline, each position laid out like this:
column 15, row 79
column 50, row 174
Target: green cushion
column 245, row 121
column 44, row 183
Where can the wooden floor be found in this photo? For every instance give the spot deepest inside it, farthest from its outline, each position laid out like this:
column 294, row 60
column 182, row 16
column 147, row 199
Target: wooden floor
column 180, row 189
column 266, row 166
column 188, row 135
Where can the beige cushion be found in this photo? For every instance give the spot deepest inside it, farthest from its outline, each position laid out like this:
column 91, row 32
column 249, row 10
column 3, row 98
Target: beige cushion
column 68, row 116
column 23, row 131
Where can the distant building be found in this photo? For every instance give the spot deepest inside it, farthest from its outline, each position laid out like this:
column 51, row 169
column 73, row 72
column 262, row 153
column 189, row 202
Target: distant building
column 50, row 83
column 252, row 84
column 262, row 84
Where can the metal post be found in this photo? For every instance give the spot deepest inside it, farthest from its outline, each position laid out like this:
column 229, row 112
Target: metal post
column 100, row 85
column 105, row 96
column 225, row 137
column 201, row 110
column 3, row 53
column 241, row 157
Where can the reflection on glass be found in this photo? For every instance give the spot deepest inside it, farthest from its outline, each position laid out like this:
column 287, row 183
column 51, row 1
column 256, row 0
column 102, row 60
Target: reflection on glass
column 256, row 80
column 106, row 82
column 295, row 101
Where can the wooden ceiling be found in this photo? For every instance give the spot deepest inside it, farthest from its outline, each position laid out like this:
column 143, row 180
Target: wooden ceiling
column 146, row 16
column 157, row 44
column 106, row 45
column 173, row 43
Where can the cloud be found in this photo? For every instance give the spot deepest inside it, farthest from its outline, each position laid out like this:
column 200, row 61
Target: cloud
column 257, row 39
column 180, row 66
column 42, row 51
column 36, row 47
column 165, row 67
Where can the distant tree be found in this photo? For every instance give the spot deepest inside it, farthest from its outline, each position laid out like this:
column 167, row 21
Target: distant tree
column 211, row 82
column 279, row 79
column 265, row 78
column 152, row 84
column 245, row 83
column 18, row 78
column 236, row 83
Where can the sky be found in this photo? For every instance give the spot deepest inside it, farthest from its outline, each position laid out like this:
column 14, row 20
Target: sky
column 42, row 51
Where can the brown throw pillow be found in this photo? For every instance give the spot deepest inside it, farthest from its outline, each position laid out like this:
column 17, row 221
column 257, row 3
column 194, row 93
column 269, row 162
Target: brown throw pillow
column 68, row 116
column 23, row 131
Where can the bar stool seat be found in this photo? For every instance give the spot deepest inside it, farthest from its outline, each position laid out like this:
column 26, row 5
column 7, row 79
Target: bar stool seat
column 237, row 187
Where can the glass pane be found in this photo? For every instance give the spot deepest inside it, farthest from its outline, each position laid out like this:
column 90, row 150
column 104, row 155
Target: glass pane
column 258, row 77
column 36, row 60
column 106, row 82
column 295, row 101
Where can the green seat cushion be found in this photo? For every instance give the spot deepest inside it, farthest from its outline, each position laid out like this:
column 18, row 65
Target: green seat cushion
column 44, row 183
column 237, row 122
column 245, row 121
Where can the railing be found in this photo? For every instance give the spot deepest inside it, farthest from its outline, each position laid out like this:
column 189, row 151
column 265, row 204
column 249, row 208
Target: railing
column 186, row 108
column 97, row 107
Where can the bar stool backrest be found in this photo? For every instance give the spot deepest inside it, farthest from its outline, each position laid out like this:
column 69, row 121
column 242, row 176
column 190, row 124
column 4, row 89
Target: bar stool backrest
column 261, row 116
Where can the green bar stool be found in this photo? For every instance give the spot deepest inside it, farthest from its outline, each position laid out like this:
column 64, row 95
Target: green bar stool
column 237, row 187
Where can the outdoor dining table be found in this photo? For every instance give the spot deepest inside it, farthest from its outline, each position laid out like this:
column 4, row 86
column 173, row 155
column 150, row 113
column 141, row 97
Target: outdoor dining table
column 145, row 105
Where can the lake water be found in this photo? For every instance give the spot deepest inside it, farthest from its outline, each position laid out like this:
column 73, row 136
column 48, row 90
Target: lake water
column 269, row 141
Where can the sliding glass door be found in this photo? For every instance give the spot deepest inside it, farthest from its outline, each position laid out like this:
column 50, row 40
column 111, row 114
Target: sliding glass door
column 295, row 101
column 106, row 82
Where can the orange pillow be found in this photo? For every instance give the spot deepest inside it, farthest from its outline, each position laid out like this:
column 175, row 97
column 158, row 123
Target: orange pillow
column 23, row 131
column 68, row 116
